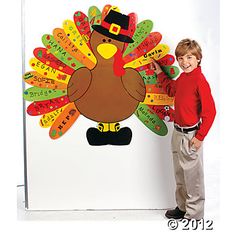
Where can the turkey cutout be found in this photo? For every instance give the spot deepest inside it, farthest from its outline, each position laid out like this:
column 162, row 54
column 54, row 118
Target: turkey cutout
column 93, row 66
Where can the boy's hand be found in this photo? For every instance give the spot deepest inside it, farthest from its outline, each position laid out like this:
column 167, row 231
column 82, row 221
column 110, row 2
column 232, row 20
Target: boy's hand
column 196, row 143
column 155, row 66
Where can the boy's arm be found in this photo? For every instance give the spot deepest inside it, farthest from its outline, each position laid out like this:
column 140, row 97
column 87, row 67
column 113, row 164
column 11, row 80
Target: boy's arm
column 208, row 110
column 168, row 85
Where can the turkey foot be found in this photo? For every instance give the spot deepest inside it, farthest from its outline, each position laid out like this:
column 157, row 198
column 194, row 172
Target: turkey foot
column 98, row 138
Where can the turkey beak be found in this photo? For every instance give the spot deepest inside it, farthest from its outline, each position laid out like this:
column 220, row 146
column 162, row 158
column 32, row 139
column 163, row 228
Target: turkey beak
column 107, row 50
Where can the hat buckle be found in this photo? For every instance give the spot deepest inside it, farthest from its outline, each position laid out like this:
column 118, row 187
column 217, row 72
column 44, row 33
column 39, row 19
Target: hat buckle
column 114, row 29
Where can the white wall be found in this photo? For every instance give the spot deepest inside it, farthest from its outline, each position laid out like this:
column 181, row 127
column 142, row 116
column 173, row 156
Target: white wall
column 136, row 176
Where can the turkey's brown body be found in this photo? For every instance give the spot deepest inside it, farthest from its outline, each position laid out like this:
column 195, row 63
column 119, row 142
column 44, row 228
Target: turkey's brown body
column 106, row 100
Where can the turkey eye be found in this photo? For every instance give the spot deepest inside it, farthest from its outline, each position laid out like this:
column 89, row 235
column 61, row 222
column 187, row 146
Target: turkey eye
column 109, row 40
column 104, row 40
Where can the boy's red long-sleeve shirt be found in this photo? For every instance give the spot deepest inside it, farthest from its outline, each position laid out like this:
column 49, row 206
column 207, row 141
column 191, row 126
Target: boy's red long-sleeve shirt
column 193, row 100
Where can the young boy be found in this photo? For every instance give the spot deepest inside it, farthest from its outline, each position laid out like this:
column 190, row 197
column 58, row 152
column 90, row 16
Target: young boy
column 194, row 115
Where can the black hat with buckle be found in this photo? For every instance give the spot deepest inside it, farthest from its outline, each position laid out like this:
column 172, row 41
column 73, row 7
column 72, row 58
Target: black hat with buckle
column 115, row 25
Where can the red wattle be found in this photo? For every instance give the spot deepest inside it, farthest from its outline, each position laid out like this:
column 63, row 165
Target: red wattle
column 118, row 64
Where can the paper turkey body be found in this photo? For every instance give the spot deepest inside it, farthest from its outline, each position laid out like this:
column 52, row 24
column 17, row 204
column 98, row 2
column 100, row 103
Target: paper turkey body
column 107, row 93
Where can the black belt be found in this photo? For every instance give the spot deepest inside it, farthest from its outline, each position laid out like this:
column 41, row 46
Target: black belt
column 187, row 130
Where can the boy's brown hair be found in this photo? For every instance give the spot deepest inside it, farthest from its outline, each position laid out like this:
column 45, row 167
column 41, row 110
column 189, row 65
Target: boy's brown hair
column 189, row 46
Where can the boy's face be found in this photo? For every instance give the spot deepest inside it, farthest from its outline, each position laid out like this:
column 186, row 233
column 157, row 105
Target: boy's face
column 188, row 62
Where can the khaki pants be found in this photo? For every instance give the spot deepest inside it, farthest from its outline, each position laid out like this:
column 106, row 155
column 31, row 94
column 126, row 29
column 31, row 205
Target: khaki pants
column 189, row 176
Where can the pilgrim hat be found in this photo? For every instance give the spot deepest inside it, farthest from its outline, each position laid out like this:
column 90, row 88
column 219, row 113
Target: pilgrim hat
column 115, row 25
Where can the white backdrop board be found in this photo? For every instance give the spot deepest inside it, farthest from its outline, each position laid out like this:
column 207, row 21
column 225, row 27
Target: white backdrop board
column 68, row 173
